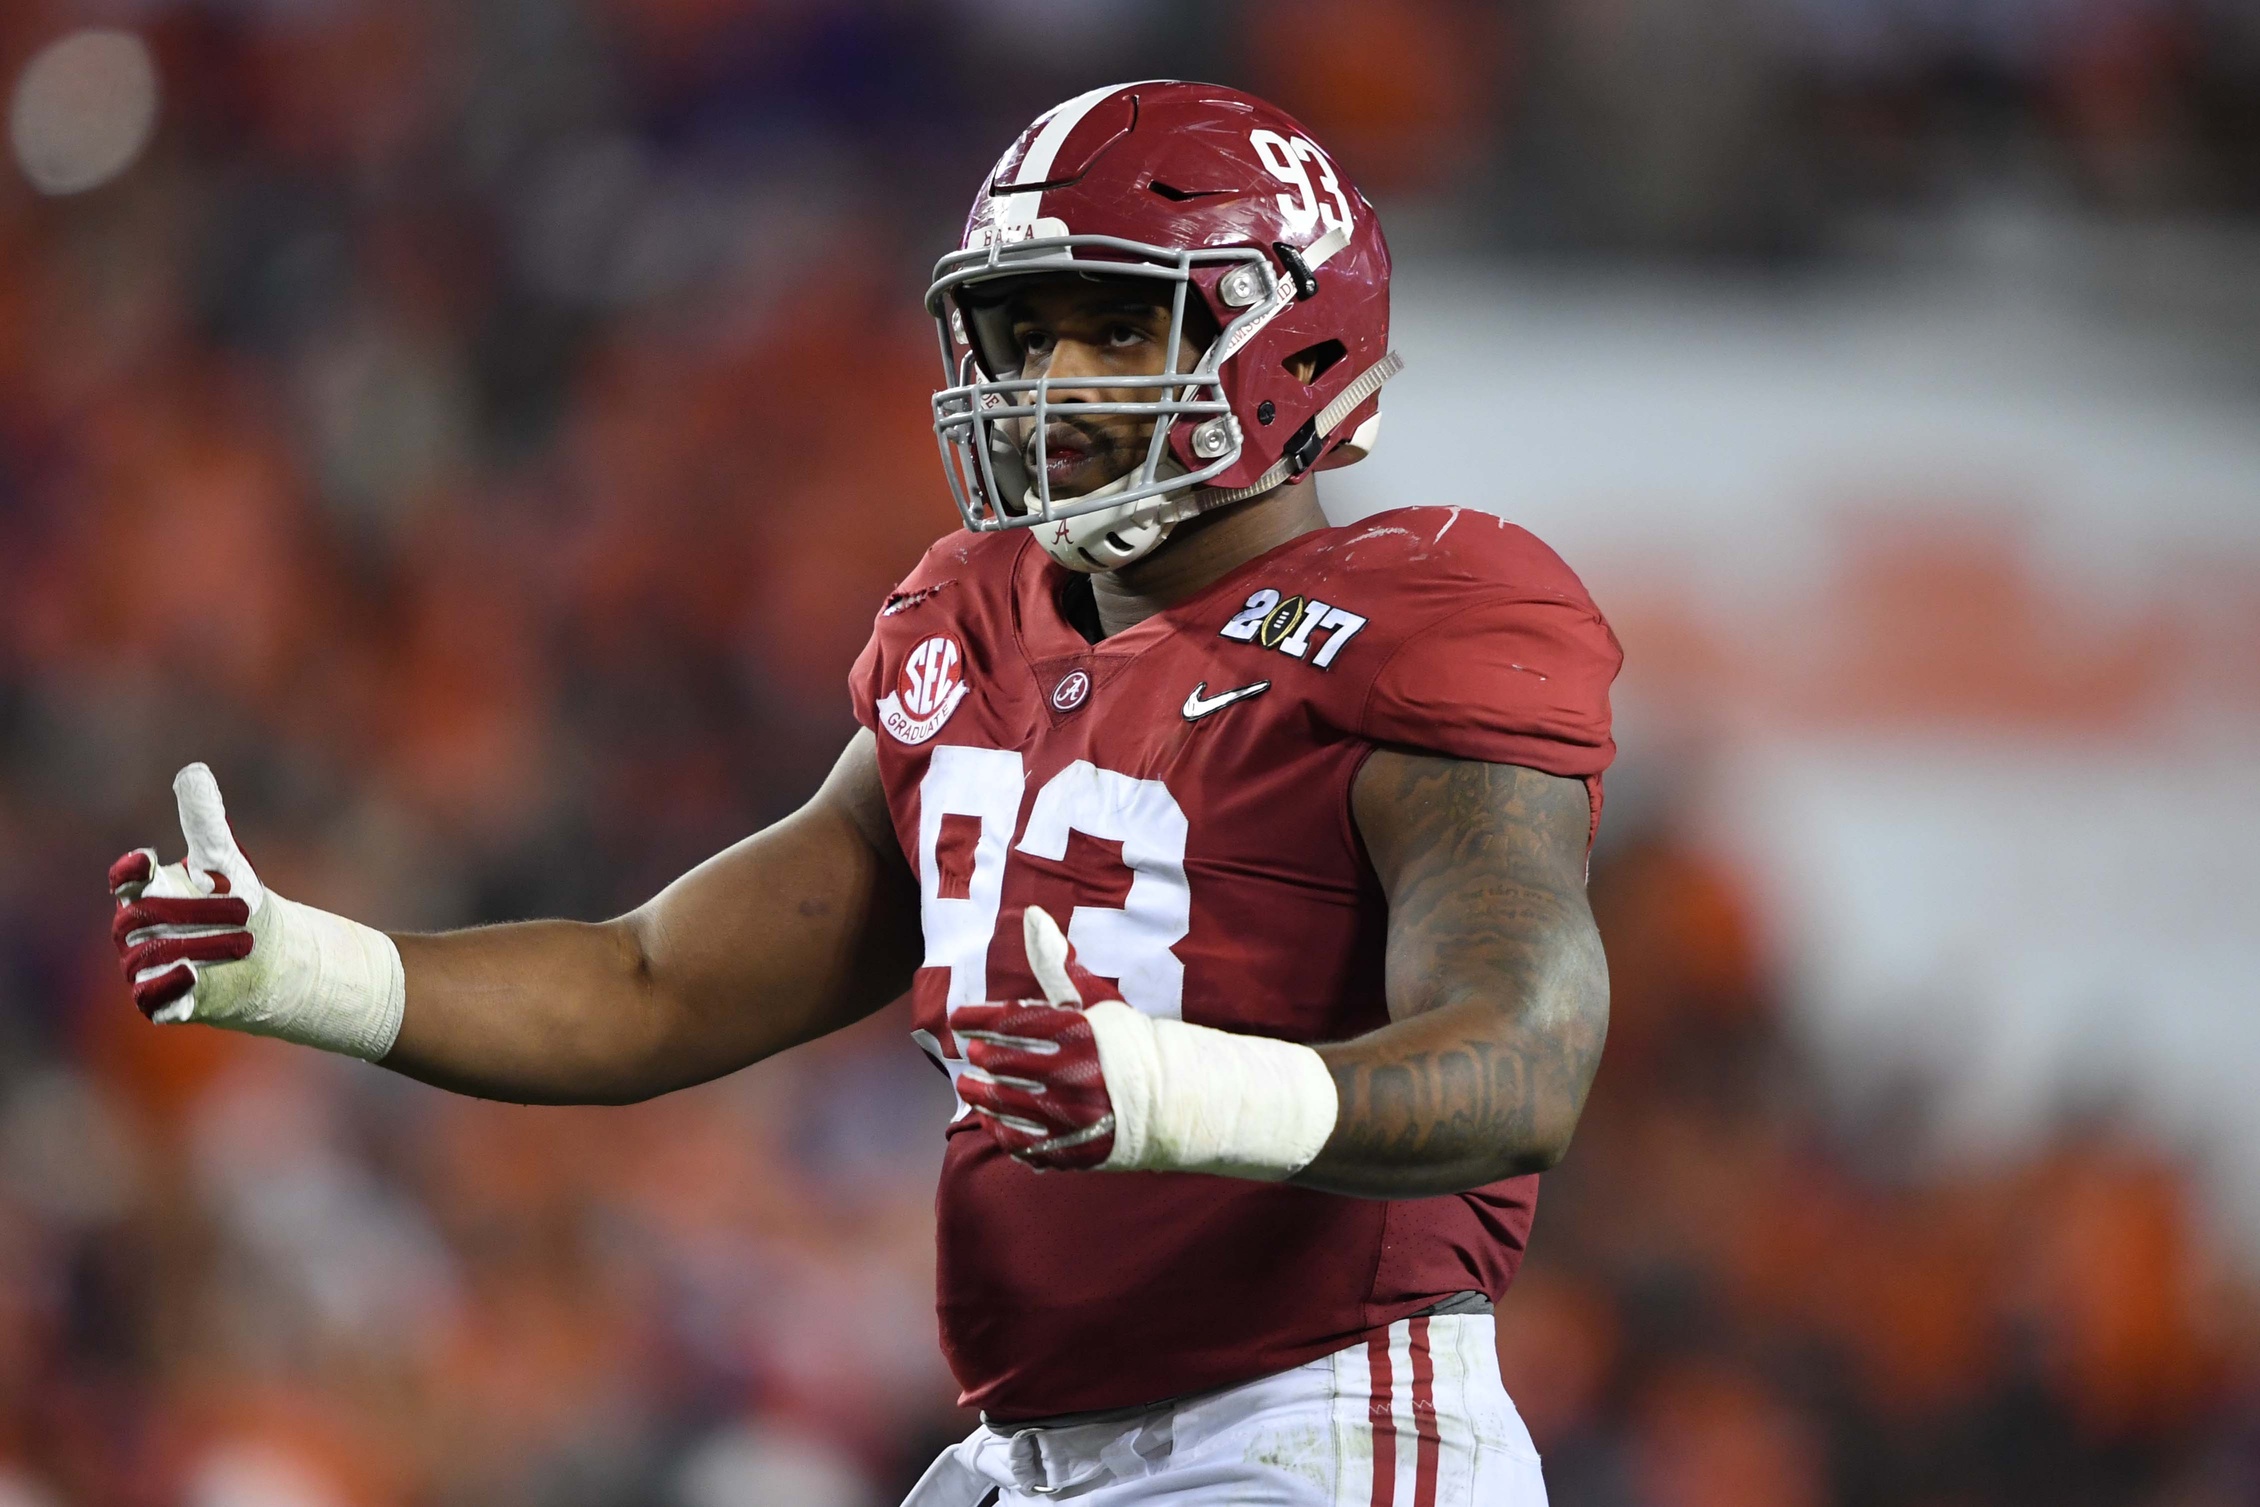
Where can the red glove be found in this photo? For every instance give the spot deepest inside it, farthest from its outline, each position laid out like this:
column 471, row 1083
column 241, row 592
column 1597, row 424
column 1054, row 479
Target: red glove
column 161, row 939
column 1032, row 1070
column 205, row 940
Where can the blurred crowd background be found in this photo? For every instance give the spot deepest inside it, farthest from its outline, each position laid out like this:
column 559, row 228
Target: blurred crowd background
column 482, row 431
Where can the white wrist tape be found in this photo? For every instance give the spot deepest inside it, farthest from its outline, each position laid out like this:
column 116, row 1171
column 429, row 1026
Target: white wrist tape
column 313, row 978
column 330, row 983
column 1190, row 1098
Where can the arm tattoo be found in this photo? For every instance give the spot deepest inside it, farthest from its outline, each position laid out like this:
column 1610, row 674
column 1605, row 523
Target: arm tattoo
column 1498, row 992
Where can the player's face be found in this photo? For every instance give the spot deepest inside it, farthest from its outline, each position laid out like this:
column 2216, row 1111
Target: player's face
column 1082, row 331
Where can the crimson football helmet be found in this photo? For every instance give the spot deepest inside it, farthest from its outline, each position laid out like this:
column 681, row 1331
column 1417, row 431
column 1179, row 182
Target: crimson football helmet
column 1213, row 194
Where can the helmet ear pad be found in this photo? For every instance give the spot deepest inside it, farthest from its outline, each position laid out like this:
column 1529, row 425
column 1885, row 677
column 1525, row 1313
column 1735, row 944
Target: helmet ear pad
column 1010, row 466
column 987, row 314
column 1355, row 437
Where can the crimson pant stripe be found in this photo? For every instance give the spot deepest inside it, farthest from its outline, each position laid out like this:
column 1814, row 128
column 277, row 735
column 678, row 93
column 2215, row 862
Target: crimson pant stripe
column 1425, row 1444
column 1382, row 1412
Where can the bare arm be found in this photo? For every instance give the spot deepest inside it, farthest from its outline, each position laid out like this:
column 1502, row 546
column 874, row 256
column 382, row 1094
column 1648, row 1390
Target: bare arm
column 1498, row 992
column 800, row 929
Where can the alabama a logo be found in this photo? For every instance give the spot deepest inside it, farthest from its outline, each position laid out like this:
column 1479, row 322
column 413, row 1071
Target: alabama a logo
column 928, row 689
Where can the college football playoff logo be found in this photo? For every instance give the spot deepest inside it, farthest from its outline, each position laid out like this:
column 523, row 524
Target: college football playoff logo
column 928, row 689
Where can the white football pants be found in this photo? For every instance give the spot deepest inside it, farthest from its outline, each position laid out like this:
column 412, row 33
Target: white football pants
column 1415, row 1418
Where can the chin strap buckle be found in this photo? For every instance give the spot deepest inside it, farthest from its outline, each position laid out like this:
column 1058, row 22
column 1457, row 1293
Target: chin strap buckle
column 1305, row 280
column 1308, row 441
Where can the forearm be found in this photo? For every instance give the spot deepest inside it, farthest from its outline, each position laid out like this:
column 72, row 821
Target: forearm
column 1458, row 1097
column 1498, row 989
column 540, row 1012
column 794, row 932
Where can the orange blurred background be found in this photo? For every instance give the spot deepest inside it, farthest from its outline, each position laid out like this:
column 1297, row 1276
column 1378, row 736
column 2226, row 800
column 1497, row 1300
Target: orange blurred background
column 483, row 432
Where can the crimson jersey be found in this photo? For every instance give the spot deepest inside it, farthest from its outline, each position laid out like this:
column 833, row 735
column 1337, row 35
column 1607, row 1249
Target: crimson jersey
column 1178, row 795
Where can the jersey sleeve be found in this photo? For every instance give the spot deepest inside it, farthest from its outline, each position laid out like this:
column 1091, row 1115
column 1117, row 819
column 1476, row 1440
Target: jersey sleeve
column 1507, row 679
column 863, row 680
column 944, row 561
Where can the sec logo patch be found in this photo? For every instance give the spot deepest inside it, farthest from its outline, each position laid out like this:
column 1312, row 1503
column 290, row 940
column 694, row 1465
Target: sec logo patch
column 927, row 689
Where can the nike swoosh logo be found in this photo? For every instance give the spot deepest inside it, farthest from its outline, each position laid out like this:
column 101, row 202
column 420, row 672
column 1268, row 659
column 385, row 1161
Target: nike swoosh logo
column 1198, row 706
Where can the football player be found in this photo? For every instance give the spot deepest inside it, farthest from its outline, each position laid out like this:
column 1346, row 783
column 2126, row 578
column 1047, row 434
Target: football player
column 1234, row 864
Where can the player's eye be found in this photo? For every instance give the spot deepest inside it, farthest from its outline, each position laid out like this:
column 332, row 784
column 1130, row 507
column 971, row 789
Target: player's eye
column 1032, row 340
column 1124, row 335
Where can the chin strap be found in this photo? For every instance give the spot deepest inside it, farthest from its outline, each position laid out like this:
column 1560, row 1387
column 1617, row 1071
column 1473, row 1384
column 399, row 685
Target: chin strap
column 1073, row 543
column 1346, row 402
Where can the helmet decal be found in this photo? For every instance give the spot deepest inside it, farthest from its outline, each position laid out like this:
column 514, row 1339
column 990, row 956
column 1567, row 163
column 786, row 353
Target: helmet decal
column 927, row 690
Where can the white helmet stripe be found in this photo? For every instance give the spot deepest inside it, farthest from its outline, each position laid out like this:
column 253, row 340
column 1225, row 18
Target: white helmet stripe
column 1016, row 214
column 1044, row 150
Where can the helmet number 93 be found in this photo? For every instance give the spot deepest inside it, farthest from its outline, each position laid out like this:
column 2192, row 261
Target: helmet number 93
column 1283, row 157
